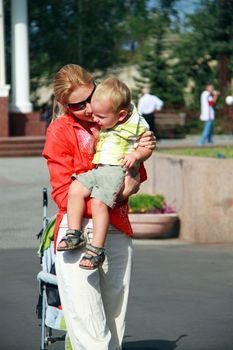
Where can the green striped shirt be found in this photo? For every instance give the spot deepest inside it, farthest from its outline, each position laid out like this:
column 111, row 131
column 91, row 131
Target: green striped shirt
column 119, row 140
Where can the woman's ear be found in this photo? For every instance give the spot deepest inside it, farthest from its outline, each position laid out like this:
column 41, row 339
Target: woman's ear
column 122, row 115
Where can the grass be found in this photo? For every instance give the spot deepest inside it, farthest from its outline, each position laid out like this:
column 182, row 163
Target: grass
column 211, row 152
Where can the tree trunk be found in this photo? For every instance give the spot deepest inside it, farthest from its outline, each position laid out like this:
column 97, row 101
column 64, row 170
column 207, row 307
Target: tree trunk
column 223, row 72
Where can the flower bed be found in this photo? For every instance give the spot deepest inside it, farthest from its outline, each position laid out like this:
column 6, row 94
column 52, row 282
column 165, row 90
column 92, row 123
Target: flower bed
column 151, row 217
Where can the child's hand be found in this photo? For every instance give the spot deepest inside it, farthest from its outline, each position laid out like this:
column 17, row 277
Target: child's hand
column 128, row 160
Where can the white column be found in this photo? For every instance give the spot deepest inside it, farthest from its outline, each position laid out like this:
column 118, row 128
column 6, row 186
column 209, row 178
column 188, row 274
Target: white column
column 2, row 45
column 4, row 89
column 20, row 58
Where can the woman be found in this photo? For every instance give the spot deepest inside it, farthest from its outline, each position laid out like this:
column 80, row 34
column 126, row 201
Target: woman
column 94, row 302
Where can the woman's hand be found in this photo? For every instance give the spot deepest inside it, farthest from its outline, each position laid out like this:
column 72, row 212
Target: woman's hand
column 131, row 186
column 147, row 139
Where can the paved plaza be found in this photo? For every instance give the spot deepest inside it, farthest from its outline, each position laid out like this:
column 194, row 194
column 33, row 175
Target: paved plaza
column 181, row 295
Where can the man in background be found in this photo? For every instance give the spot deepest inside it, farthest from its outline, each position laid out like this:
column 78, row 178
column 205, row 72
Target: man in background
column 208, row 99
column 147, row 105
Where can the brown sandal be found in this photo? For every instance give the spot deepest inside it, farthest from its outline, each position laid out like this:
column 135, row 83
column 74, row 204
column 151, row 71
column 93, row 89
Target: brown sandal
column 96, row 260
column 73, row 239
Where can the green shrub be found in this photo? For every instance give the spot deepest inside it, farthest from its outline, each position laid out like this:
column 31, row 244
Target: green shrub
column 146, row 203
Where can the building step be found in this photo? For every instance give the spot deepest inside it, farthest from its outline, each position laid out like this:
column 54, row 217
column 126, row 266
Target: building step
column 21, row 146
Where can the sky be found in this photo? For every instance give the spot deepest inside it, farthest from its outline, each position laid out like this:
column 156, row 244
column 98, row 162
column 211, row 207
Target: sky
column 186, row 6
column 183, row 6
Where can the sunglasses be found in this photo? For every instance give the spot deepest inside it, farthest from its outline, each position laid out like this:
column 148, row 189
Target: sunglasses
column 79, row 106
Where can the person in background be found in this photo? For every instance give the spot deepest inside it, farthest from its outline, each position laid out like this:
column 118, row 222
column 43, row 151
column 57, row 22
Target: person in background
column 147, row 105
column 208, row 99
column 94, row 301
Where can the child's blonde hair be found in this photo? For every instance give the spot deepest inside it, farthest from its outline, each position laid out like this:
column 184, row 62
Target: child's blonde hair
column 65, row 81
column 116, row 92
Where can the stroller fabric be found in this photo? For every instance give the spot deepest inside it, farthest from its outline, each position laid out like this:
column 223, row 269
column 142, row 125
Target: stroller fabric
column 54, row 317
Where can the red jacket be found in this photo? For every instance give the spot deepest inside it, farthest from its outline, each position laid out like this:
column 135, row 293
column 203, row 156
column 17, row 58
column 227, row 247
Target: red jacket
column 69, row 148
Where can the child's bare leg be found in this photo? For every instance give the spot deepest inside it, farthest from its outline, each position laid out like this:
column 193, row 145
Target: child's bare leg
column 76, row 204
column 100, row 216
column 75, row 208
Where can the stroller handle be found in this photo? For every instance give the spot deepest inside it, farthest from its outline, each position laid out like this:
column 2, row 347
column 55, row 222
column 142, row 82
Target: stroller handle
column 45, row 206
column 45, row 197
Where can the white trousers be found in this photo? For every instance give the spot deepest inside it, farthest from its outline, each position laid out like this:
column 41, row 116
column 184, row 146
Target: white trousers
column 95, row 301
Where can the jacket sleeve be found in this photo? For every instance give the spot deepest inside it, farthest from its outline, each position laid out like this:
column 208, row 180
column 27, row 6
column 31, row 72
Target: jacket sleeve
column 58, row 152
column 143, row 174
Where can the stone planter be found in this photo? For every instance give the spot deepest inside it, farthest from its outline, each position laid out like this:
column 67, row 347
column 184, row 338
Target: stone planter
column 201, row 190
column 154, row 225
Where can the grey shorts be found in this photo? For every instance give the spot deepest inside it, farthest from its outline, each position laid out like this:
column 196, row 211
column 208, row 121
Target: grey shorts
column 104, row 182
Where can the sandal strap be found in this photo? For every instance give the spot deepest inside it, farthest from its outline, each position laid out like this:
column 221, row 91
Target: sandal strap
column 76, row 233
column 96, row 260
column 96, row 250
column 87, row 256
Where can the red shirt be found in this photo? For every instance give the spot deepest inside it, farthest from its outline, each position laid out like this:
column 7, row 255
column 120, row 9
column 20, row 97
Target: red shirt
column 69, row 148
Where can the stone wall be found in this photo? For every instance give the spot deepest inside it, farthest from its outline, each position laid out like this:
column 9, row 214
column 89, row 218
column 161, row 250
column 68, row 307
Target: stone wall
column 27, row 124
column 201, row 189
column 4, row 122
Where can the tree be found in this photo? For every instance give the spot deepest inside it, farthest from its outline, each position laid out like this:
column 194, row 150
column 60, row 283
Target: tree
column 96, row 34
column 69, row 31
column 206, row 46
column 157, row 65
column 134, row 28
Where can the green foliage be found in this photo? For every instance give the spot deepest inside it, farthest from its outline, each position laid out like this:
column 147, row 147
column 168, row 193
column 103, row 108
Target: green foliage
column 144, row 202
column 69, row 31
column 134, row 27
column 205, row 49
column 96, row 34
column 156, row 66
column 102, row 34
column 201, row 53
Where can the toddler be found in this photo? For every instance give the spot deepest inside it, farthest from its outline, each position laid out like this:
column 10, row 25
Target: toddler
column 120, row 126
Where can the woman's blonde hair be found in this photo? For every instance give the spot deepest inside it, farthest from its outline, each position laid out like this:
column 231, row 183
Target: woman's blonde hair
column 65, row 81
column 116, row 92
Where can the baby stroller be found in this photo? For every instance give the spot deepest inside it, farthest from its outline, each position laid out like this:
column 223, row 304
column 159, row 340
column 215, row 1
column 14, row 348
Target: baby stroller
column 49, row 308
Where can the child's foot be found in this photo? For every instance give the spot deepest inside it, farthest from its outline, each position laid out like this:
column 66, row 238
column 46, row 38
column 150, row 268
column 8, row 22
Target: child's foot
column 72, row 240
column 93, row 257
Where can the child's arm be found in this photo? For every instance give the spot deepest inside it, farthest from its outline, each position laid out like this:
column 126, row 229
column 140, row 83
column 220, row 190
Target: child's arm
column 139, row 155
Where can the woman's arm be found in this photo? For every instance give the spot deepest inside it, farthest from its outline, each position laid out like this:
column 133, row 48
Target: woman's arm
column 143, row 150
column 132, row 184
column 60, row 164
column 147, row 139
